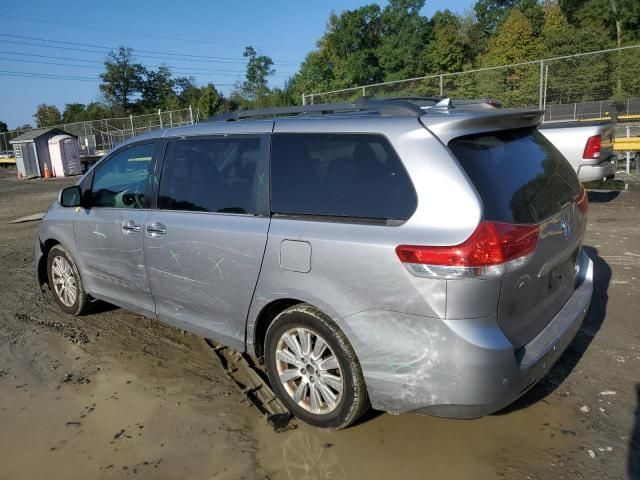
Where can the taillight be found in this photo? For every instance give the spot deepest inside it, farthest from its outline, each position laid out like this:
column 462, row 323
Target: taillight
column 583, row 201
column 592, row 148
column 492, row 250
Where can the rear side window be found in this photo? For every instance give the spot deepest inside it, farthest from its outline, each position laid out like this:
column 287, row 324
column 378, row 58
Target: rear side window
column 519, row 174
column 339, row 175
column 222, row 174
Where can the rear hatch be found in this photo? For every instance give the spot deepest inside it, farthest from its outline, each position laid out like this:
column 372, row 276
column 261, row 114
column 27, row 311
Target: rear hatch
column 522, row 179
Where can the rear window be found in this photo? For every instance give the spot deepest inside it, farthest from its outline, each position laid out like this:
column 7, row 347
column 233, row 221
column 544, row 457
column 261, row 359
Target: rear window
column 339, row 175
column 519, row 174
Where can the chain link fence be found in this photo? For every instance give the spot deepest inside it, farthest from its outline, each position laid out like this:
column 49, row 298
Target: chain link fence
column 97, row 136
column 587, row 85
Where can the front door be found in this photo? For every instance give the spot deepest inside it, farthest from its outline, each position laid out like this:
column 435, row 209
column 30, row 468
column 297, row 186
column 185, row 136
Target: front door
column 109, row 234
column 204, row 244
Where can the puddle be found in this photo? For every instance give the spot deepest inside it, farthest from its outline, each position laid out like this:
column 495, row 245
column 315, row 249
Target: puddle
column 111, row 422
column 411, row 446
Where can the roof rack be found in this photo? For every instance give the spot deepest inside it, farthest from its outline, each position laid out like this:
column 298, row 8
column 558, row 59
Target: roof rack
column 382, row 107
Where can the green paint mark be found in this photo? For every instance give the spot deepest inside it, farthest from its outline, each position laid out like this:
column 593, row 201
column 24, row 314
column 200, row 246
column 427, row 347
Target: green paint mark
column 395, row 366
column 174, row 256
column 98, row 233
column 216, row 265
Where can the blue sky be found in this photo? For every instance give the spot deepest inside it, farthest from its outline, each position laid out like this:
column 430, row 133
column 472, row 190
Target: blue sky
column 284, row 30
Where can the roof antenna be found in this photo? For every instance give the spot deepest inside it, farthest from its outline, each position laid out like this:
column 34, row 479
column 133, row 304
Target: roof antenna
column 445, row 103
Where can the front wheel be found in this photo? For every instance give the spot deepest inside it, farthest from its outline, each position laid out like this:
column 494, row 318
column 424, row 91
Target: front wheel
column 313, row 368
column 65, row 282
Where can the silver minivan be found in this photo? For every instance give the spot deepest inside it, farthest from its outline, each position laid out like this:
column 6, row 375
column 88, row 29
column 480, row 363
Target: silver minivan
column 368, row 254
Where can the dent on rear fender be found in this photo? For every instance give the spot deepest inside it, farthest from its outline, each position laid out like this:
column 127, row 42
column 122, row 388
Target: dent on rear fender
column 410, row 361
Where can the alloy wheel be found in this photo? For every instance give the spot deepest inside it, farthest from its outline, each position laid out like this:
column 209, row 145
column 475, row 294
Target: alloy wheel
column 64, row 281
column 309, row 370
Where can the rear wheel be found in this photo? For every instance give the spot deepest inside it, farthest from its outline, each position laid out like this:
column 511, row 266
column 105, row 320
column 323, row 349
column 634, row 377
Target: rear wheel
column 313, row 369
column 65, row 282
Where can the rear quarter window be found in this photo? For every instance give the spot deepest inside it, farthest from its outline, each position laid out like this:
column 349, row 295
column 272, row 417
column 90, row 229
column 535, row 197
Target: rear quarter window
column 339, row 175
column 520, row 176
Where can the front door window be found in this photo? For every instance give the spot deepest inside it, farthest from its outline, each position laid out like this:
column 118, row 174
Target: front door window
column 124, row 180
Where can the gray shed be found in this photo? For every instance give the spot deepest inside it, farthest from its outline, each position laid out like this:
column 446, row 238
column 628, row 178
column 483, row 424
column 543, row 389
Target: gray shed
column 32, row 151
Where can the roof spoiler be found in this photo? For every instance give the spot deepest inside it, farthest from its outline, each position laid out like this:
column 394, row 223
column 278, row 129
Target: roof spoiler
column 448, row 127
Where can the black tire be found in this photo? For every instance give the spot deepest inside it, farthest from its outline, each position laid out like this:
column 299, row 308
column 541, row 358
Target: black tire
column 353, row 401
column 82, row 300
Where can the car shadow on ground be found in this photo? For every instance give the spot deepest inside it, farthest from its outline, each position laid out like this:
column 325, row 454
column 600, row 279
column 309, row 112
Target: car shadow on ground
column 603, row 197
column 592, row 322
column 633, row 465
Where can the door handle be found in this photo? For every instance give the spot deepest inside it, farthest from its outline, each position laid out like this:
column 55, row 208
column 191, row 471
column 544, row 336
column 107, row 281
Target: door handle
column 130, row 227
column 156, row 229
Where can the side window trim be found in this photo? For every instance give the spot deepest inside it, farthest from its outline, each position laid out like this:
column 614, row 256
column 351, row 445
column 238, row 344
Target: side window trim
column 154, row 160
column 158, row 163
column 263, row 210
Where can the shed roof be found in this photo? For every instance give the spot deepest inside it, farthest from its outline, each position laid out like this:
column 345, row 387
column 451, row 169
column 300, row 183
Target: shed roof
column 35, row 133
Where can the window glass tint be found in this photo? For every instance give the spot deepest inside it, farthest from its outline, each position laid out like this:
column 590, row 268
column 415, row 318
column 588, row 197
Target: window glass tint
column 123, row 180
column 519, row 174
column 341, row 175
column 225, row 174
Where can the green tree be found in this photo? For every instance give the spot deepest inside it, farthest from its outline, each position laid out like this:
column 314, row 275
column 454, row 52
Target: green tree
column 97, row 111
column 315, row 74
column 156, row 87
column 446, row 52
column 621, row 18
column 403, row 36
column 259, row 68
column 187, row 91
column 491, row 13
column 572, row 79
column 514, row 42
column 279, row 97
column 3, row 127
column 347, row 53
column 47, row 115
column 74, row 112
column 121, row 80
column 209, row 101
column 351, row 41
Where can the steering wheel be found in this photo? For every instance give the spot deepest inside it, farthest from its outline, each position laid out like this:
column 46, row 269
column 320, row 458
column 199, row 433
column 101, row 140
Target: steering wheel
column 134, row 199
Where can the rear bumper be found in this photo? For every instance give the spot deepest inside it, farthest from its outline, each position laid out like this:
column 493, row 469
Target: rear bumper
column 591, row 173
column 458, row 368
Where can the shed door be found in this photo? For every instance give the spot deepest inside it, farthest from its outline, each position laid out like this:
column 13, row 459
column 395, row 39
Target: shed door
column 70, row 157
column 26, row 152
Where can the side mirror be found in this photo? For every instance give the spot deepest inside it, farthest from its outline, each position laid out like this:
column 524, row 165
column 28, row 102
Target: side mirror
column 70, row 196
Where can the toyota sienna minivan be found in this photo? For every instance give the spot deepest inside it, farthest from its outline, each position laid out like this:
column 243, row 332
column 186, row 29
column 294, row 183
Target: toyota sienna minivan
column 375, row 254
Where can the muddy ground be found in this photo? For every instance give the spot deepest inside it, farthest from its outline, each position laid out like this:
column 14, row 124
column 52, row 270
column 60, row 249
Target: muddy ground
column 113, row 394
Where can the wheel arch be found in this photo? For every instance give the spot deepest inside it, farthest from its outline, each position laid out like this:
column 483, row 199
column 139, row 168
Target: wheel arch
column 264, row 318
column 268, row 311
column 45, row 248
